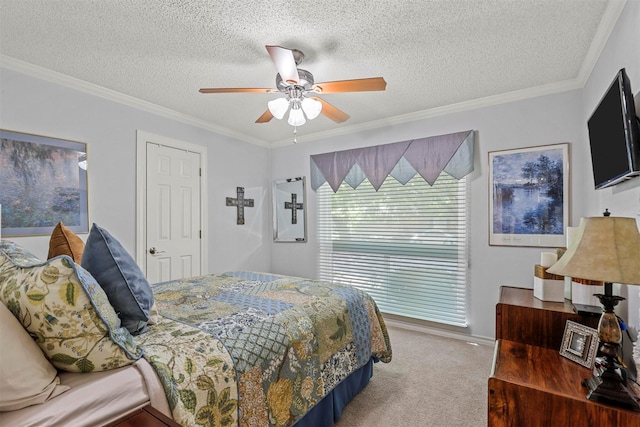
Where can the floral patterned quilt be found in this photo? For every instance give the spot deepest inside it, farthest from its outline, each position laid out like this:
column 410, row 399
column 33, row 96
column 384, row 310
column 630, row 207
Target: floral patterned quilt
column 254, row 349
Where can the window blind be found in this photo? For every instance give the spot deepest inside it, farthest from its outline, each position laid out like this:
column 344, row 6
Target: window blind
column 405, row 245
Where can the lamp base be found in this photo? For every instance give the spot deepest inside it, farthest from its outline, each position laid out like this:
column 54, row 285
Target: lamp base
column 609, row 387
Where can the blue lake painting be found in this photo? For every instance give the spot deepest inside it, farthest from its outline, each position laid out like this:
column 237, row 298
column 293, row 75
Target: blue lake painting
column 528, row 192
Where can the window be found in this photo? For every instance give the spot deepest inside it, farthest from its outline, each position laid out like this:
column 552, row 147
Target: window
column 406, row 245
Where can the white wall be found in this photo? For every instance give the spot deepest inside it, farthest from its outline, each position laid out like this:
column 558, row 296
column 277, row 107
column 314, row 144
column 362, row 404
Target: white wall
column 538, row 121
column 33, row 105
column 543, row 120
column 621, row 51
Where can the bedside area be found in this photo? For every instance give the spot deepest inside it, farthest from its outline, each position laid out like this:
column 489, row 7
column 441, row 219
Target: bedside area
column 146, row 416
column 530, row 383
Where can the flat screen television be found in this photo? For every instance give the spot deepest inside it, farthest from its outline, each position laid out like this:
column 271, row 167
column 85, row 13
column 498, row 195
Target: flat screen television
column 614, row 135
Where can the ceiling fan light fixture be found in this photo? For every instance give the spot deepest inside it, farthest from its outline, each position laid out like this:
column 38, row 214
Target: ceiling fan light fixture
column 311, row 107
column 296, row 84
column 278, row 107
column 296, row 116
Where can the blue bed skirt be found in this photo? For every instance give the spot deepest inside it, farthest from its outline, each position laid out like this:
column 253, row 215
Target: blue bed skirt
column 329, row 409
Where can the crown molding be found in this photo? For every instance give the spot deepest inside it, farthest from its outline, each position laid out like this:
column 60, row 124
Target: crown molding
column 115, row 96
column 607, row 24
column 489, row 101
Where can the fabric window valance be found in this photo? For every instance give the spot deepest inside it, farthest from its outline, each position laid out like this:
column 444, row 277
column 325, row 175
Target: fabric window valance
column 451, row 153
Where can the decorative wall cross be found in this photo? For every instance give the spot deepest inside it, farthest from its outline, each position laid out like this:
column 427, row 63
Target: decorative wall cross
column 240, row 202
column 295, row 207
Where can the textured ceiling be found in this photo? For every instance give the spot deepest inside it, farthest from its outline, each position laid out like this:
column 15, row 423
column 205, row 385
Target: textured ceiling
column 432, row 53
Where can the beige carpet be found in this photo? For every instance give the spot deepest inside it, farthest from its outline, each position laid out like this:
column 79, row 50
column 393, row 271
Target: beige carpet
column 431, row 381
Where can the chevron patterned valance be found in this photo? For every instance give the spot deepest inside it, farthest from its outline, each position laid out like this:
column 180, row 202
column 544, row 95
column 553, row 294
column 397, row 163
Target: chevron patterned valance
column 452, row 153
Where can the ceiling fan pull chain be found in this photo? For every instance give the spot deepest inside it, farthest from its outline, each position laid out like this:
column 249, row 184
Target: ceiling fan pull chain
column 295, row 136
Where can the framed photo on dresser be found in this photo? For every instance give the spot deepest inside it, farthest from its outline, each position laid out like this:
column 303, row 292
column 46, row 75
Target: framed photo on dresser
column 579, row 343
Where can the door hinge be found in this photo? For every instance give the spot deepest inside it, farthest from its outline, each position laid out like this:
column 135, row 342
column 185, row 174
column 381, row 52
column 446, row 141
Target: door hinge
column 201, row 234
column 200, row 171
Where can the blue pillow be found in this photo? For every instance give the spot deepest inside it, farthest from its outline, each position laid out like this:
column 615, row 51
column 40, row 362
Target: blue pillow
column 122, row 280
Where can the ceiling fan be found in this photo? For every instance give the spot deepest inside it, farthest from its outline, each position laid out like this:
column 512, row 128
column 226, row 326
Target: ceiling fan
column 300, row 90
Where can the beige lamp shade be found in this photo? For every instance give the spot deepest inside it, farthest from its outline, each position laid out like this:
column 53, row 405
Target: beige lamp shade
column 605, row 249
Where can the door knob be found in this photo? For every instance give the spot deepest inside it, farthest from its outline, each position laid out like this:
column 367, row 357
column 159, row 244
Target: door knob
column 154, row 251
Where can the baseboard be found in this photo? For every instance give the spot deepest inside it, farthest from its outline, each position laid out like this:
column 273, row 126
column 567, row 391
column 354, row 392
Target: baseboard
column 439, row 332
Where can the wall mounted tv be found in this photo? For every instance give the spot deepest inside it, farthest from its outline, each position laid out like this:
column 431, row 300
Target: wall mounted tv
column 614, row 135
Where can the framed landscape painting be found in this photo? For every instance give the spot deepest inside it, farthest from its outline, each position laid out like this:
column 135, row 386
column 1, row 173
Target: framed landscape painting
column 529, row 196
column 44, row 181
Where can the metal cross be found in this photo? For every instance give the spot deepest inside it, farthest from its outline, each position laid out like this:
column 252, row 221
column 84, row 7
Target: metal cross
column 240, row 202
column 294, row 207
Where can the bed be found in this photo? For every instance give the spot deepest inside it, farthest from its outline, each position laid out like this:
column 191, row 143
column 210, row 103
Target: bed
column 231, row 349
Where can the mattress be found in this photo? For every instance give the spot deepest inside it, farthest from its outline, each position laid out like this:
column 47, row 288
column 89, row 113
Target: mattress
column 94, row 399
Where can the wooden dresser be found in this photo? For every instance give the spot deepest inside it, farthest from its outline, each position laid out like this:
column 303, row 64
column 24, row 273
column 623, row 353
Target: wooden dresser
column 530, row 383
column 522, row 318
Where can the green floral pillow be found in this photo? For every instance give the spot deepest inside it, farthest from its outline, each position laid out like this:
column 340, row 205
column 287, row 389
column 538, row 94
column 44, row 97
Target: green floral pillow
column 62, row 306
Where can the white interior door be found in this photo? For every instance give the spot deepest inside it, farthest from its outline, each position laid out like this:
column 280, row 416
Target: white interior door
column 173, row 213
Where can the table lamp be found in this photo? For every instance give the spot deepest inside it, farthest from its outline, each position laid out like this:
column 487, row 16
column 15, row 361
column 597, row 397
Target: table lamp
column 606, row 249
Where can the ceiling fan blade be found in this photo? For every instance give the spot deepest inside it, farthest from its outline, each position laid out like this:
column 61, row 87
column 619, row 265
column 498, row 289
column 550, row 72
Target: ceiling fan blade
column 332, row 112
column 265, row 117
column 356, row 85
column 284, row 62
column 236, row 89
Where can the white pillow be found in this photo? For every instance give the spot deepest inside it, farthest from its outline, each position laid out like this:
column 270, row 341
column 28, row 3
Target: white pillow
column 26, row 376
